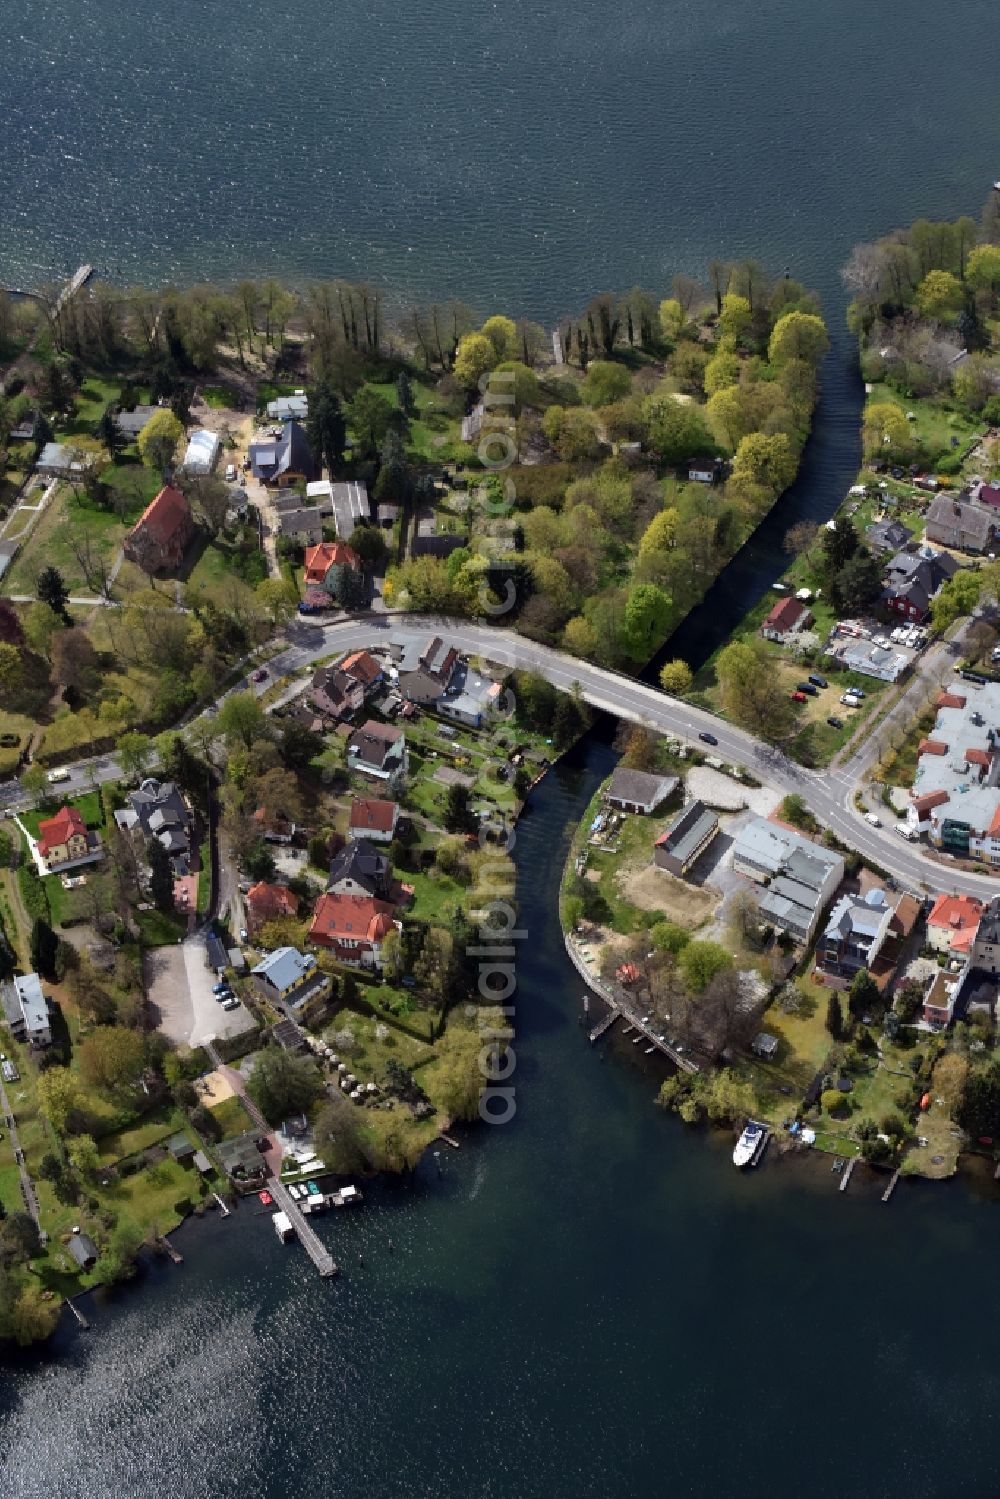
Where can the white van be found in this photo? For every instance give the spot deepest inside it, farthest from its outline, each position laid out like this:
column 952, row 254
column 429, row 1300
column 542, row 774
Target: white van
column 231, row 473
column 55, row 776
column 851, row 700
column 870, row 817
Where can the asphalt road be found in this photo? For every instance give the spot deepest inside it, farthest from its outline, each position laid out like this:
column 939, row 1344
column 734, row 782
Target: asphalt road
column 829, row 793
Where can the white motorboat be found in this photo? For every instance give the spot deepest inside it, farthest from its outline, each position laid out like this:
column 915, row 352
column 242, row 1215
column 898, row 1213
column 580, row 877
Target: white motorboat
column 746, row 1146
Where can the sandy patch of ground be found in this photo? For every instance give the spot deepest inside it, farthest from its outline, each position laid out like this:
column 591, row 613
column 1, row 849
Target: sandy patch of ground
column 726, row 795
column 654, row 889
column 214, row 1088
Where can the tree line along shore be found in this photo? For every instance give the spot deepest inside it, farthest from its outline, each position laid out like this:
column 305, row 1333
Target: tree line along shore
column 895, row 1061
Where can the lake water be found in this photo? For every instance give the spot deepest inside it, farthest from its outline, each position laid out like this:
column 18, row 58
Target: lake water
column 589, row 1301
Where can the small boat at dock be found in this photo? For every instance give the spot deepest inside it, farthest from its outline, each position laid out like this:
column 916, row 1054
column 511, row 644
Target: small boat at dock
column 748, row 1144
column 265, row 1197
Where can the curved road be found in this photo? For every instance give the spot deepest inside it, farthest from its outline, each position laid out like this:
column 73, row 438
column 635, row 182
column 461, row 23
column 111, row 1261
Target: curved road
column 829, row 792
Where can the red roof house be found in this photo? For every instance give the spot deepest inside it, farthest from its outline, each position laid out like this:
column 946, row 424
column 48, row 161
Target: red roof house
column 787, row 617
column 64, row 839
column 373, row 818
column 56, row 831
column 326, row 561
column 269, row 902
column 932, row 747
column 364, row 668
column 352, row 927
column 953, row 923
column 160, row 537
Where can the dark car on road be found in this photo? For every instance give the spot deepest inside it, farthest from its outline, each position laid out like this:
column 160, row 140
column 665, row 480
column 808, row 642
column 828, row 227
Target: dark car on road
column 708, row 738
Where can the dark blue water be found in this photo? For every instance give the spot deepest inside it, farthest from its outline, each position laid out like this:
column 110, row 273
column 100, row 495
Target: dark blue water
column 589, row 1301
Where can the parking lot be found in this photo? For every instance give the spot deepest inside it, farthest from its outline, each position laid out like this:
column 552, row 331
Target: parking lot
column 179, row 987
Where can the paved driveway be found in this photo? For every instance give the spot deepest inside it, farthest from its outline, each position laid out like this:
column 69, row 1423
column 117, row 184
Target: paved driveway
column 179, row 986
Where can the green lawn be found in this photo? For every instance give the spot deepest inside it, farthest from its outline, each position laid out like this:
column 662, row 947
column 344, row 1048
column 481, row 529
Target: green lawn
column 157, row 1126
column 434, row 432
column 159, row 928
column 88, row 805
column 231, row 1117
column 935, row 425
column 204, row 876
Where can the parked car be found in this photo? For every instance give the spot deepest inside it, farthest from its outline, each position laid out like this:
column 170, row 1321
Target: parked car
column 817, row 680
column 55, row 776
column 230, row 1002
column 259, row 675
column 870, row 817
column 230, row 472
column 851, row 700
column 708, row 738
column 807, row 688
column 221, row 987
column 798, row 697
column 835, row 723
column 910, row 834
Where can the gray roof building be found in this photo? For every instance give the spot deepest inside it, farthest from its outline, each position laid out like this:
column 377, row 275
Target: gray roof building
column 289, row 408
column 84, row 1250
column 287, row 455
column 887, row 536
column 131, row 423
column 638, row 790
column 961, row 525
column 158, row 810
column 686, row 838
column 801, row 876
column 26, row 1010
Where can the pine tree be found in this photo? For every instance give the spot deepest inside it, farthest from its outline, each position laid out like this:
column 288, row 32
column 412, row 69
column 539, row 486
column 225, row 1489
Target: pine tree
column 834, row 1016
column 404, row 393
column 52, row 590
column 44, row 947
column 161, row 876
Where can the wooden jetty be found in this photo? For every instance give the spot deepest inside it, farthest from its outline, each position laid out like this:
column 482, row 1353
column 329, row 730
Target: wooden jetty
column 604, row 1026
column 79, row 279
column 169, row 1250
column 891, row 1187
column 307, row 1235
column 448, row 1140
column 557, row 348
column 81, row 1319
column 222, row 1205
column 847, row 1173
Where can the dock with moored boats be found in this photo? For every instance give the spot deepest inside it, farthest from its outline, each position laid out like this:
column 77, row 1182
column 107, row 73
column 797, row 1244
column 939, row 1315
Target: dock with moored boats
column 291, row 1211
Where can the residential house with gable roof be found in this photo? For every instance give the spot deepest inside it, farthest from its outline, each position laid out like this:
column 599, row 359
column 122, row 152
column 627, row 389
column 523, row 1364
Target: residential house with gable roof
column 961, row 525
column 326, row 564
column 788, row 617
column 334, row 694
column 374, row 819
column 65, row 840
column 378, row 750
column 265, row 902
column 912, row 579
column 952, row 924
column 162, row 534
column 158, row 810
column 426, row 670
column 353, row 928
column 285, row 459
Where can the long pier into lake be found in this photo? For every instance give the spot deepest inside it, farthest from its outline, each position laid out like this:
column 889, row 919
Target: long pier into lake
column 307, row 1235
